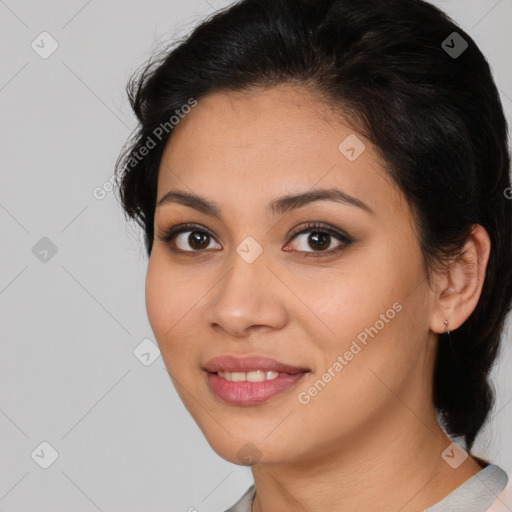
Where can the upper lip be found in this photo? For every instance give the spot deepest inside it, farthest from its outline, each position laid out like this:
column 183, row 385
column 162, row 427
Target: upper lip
column 229, row 363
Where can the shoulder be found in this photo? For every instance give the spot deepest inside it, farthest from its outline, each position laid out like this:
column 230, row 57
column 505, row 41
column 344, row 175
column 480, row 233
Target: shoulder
column 492, row 483
column 503, row 501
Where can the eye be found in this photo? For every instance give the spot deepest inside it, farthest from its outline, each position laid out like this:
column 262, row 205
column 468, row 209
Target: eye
column 320, row 238
column 199, row 239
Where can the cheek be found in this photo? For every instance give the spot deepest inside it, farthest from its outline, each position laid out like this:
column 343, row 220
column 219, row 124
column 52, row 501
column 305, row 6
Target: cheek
column 363, row 325
column 158, row 298
column 376, row 297
column 169, row 305
column 356, row 382
column 341, row 302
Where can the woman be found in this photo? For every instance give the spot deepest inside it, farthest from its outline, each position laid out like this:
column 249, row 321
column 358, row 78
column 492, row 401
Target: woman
column 322, row 188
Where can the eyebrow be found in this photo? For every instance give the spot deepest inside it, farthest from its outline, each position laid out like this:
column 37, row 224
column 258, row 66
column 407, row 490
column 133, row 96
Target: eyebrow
column 280, row 205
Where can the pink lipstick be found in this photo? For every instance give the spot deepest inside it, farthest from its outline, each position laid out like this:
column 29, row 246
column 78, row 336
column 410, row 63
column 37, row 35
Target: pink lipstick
column 250, row 380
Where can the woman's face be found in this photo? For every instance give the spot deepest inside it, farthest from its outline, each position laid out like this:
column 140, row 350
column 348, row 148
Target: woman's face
column 355, row 312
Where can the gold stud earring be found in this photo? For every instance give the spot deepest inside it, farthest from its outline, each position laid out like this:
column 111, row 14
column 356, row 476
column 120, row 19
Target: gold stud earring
column 446, row 331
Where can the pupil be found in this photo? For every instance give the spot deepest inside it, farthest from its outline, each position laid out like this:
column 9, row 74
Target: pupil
column 322, row 236
column 193, row 239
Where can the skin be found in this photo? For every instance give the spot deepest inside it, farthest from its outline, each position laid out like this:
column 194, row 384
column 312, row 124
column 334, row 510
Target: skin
column 370, row 437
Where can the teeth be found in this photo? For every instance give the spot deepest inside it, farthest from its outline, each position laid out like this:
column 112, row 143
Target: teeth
column 253, row 376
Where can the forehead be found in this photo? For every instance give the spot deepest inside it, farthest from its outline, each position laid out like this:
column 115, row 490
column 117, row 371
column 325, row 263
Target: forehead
column 252, row 146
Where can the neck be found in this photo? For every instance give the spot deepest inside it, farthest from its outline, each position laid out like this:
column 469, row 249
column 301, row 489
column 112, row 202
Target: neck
column 401, row 469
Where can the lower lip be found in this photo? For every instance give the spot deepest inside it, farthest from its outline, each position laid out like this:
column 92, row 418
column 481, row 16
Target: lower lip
column 251, row 393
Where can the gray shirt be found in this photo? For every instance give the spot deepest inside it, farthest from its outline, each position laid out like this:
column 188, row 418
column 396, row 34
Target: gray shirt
column 475, row 495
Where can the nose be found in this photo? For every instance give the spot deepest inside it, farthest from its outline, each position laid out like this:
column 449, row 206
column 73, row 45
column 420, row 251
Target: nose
column 248, row 296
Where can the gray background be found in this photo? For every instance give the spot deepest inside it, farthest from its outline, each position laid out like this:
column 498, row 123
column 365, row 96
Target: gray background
column 70, row 324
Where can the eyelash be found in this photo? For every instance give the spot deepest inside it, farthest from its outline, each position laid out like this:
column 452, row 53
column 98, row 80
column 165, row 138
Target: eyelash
column 170, row 234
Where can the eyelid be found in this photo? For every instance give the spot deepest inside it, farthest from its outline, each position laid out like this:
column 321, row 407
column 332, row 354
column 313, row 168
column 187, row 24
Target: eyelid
column 311, row 226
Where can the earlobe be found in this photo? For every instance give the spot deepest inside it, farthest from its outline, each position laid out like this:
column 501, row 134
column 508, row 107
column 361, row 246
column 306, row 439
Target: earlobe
column 459, row 288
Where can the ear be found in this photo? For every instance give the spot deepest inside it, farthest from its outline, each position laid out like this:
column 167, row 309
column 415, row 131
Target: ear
column 458, row 289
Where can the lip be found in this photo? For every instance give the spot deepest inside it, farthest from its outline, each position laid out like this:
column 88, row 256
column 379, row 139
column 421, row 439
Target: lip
column 245, row 392
column 250, row 393
column 230, row 363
